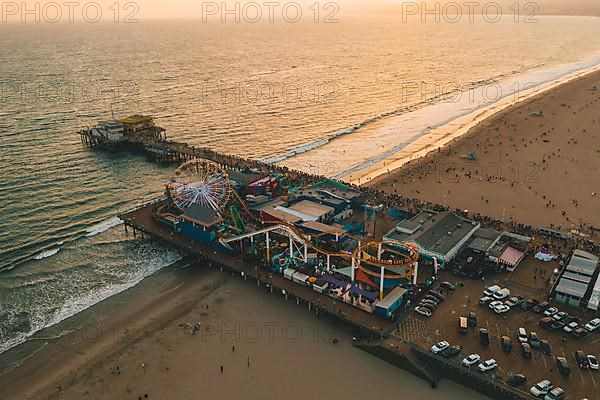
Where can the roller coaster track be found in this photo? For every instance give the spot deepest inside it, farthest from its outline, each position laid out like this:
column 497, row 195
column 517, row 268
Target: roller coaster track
column 360, row 254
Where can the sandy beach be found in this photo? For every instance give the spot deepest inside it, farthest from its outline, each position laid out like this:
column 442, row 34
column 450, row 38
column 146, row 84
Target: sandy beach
column 533, row 163
column 269, row 348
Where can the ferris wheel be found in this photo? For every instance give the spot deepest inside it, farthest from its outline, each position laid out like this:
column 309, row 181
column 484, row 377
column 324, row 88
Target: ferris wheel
column 202, row 182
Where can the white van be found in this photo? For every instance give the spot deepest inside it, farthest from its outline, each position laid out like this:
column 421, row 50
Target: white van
column 501, row 294
column 522, row 335
column 491, row 290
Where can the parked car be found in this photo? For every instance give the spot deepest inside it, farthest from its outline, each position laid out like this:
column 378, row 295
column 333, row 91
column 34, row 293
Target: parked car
column 506, row 344
column 448, row 286
column 439, row 347
column 433, row 299
column 513, row 302
column 494, row 304
column 526, row 350
column 579, row 332
column 428, row 305
column 471, row 359
column 557, row 325
column 522, row 335
column 484, row 301
column 546, row 347
column 592, row 362
column 550, row 311
column 472, row 319
column 592, row 325
column 559, row 316
column 451, row 351
column 546, row 322
column 541, row 388
column 563, row 365
column 491, row 290
column 571, row 318
column 528, row 304
column 484, row 337
column 555, row 394
column 571, row 327
column 501, row 309
column 488, row 365
column 423, row 311
column 582, row 359
column 541, row 307
column 501, row 294
column 516, row 380
column 534, row 340
column 438, row 295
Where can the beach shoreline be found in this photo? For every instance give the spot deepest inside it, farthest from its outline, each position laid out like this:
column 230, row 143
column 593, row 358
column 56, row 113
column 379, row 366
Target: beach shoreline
column 148, row 345
column 561, row 118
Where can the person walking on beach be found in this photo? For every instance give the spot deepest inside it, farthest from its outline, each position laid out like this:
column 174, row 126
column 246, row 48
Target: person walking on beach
column 248, row 358
column 233, row 349
column 221, row 369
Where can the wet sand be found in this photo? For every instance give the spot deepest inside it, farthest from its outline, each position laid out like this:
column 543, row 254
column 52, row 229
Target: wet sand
column 530, row 168
column 291, row 353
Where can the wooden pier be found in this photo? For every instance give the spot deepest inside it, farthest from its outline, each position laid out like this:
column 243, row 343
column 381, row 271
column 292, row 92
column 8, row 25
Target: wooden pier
column 141, row 221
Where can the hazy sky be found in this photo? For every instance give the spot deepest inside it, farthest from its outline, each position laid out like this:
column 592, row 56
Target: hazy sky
column 104, row 10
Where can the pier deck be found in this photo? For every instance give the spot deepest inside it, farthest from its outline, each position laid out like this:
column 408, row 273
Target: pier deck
column 141, row 221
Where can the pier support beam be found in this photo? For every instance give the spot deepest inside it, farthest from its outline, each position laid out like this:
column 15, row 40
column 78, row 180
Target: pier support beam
column 416, row 273
column 381, row 280
column 328, row 264
column 268, row 248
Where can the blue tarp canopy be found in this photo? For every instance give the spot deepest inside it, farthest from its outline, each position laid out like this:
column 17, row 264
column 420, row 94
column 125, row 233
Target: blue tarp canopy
column 371, row 296
column 332, row 280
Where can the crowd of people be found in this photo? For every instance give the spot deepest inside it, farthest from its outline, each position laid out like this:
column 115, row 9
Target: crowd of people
column 410, row 205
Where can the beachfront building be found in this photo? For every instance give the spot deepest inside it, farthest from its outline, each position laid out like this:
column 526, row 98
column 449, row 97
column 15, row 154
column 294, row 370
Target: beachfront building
column 579, row 281
column 390, row 303
column 502, row 249
column 434, row 234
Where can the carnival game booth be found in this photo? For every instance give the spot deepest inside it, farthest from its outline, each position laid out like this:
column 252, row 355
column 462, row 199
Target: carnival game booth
column 390, row 303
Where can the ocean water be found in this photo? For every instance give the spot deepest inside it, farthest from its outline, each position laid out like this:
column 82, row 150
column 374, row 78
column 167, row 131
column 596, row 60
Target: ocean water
column 300, row 94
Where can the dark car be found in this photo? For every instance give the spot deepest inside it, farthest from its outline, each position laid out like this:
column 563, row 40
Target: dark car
column 557, row 325
column 438, row 295
column 563, row 365
column 451, row 351
column 428, row 306
column 582, row 359
column 546, row 322
column 516, row 380
column 526, row 350
column 541, row 307
column 432, row 298
column 472, row 319
column 571, row 318
column 448, row 286
column 506, row 344
column 534, row 340
column 579, row 332
column 528, row 304
column 546, row 347
column 484, row 337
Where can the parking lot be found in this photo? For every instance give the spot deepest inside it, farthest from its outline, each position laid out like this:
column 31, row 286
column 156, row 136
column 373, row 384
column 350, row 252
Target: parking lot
column 443, row 325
